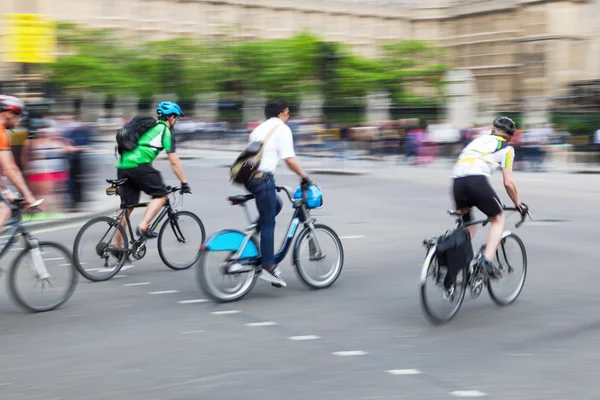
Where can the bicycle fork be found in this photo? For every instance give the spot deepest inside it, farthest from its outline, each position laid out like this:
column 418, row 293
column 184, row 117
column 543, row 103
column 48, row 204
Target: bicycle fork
column 35, row 254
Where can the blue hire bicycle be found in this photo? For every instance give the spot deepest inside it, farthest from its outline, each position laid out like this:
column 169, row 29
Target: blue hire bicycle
column 230, row 261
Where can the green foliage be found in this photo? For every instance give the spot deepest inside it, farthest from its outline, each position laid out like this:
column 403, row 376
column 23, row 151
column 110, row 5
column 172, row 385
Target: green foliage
column 104, row 62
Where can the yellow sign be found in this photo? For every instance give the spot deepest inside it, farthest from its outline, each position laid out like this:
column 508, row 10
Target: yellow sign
column 31, row 38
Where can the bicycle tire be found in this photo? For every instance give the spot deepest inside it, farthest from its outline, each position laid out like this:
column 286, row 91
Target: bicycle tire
column 211, row 292
column 431, row 317
column 16, row 296
column 160, row 237
column 503, row 302
column 304, row 277
column 76, row 245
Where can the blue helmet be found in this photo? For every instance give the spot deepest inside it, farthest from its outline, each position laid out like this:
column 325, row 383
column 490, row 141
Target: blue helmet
column 168, row 108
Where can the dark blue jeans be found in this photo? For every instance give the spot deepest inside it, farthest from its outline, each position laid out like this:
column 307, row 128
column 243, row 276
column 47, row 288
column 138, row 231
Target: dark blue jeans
column 269, row 205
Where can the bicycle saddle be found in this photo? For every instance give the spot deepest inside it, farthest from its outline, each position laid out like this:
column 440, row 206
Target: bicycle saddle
column 116, row 182
column 240, row 198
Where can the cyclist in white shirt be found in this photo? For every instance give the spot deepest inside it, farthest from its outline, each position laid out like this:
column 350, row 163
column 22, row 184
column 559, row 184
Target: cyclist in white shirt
column 279, row 146
column 471, row 186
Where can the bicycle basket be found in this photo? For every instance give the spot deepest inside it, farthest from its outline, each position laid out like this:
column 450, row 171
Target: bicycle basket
column 314, row 196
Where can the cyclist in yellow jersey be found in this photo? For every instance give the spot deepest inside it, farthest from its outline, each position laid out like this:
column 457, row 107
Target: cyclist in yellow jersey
column 471, row 187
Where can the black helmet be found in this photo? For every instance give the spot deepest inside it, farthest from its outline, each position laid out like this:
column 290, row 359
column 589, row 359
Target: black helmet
column 505, row 124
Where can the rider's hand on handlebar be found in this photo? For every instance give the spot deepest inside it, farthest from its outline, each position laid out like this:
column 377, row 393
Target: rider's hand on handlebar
column 305, row 183
column 185, row 188
column 523, row 209
column 29, row 200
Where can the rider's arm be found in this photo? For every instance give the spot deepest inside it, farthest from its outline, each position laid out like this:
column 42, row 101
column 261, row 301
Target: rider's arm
column 169, row 146
column 177, row 166
column 507, row 175
column 13, row 174
column 286, row 151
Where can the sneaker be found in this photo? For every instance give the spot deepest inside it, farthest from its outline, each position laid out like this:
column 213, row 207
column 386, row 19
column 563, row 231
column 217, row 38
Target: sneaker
column 147, row 234
column 273, row 277
column 489, row 268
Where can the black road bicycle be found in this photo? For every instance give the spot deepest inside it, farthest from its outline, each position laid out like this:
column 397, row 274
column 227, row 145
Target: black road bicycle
column 108, row 259
column 43, row 257
column 472, row 275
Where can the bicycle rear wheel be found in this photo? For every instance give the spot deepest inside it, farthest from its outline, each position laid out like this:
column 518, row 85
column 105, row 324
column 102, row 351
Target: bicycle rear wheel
column 181, row 237
column 431, row 268
column 58, row 262
column 510, row 257
column 94, row 253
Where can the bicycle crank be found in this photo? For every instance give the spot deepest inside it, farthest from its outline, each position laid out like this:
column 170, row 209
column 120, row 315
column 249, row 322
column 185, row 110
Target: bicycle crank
column 138, row 251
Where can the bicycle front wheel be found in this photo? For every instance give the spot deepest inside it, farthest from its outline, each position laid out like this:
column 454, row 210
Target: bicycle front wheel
column 179, row 240
column 325, row 256
column 94, row 252
column 59, row 263
column 511, row 258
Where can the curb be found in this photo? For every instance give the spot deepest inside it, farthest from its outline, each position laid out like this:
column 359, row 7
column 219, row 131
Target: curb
column 67, row 220
column 338, row 172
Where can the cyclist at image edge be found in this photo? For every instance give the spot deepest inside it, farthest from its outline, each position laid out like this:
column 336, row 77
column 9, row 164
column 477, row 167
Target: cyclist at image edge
column 11, row 109
column 136, row 166
column 471, row 186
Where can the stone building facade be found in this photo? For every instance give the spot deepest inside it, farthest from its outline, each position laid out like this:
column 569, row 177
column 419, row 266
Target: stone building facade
column 516, row 49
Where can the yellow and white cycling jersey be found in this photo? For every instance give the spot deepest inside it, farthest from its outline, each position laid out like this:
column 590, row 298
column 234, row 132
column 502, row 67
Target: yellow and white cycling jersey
column 483, row 156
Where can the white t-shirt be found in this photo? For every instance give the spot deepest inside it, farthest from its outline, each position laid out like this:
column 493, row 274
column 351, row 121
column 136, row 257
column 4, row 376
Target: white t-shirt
column 483, row 156
column 279, row 146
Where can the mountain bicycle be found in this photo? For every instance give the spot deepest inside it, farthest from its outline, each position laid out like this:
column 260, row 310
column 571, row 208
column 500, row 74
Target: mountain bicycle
column 242, row 263
column 114, row 257
column 41, row 255
column 472, row 275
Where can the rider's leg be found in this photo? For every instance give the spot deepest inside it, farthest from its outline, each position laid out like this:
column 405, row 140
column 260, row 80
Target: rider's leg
column 118, row 237
column 153, row 208
column 494, row 236
column 5, row 214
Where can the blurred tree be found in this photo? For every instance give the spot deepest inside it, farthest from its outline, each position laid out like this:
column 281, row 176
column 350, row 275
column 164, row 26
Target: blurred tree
column 102, row 61
column 413, row 62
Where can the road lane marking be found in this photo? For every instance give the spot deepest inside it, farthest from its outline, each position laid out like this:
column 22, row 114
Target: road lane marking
column 265, row 323
column 192, row 301
column 226, row 312
column 352, row 237
column 191, row 332
column 164, row 292
column 305, row 337
column 404, row 372
column 468, row 393
column 137, row 284
column 349, row 353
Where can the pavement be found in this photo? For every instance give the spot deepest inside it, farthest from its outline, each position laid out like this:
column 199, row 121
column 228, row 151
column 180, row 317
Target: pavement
column 151, row 333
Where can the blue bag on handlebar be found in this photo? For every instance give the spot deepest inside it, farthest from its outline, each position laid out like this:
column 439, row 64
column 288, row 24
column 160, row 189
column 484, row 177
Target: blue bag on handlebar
column 314, row 196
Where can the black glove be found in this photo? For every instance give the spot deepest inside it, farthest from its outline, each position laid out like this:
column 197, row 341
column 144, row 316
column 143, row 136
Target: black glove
column 305, row 183
column 523, row 209
column 185, row 188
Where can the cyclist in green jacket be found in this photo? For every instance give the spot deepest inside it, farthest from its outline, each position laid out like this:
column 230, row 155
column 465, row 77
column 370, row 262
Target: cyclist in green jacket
column 136, row 166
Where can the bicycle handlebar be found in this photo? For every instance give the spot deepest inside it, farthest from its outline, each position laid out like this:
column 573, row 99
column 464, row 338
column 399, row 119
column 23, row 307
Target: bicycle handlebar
column 287, row 191
column 523, row 217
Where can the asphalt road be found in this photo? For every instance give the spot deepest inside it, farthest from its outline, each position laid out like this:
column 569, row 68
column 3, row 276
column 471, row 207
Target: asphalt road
column 138, row 336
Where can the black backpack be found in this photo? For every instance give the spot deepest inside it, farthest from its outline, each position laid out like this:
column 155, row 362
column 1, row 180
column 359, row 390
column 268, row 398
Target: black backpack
column 129, row 135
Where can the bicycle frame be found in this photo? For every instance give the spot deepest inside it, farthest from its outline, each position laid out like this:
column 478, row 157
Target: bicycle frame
column 245, row 252
column 167, row 209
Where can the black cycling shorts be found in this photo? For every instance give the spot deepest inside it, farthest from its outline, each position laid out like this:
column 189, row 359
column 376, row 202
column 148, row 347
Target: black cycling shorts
column 143, row 178
column 476, row 191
